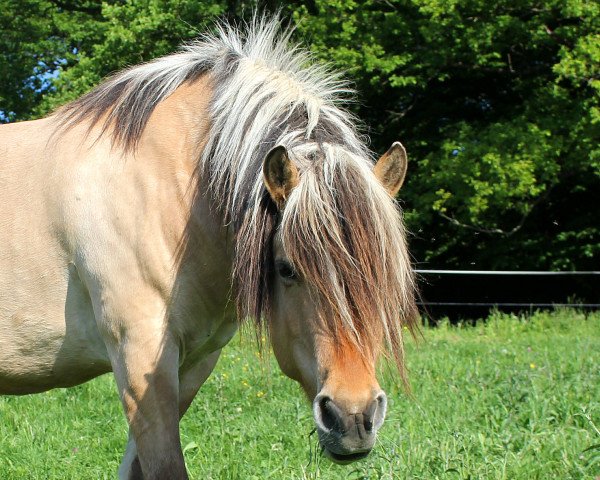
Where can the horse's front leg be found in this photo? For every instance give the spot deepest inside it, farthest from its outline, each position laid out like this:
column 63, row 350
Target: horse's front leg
column 145, row 362
column 190, row 382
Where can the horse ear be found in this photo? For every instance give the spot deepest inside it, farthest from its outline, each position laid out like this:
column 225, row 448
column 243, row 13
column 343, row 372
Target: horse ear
column 390, row 170
column 279, row 174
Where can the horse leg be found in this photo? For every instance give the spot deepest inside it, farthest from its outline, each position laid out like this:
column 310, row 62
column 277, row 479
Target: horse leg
column 145, row 364
column 190, row 382
column 130, row 468
column 193, row 378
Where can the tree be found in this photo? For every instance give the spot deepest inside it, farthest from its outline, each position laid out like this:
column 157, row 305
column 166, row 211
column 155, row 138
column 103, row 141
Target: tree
column 498, row 105
column 29, row 51
column 496, row 101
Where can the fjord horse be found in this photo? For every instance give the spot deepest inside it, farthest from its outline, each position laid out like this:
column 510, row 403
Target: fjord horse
column 140, row 223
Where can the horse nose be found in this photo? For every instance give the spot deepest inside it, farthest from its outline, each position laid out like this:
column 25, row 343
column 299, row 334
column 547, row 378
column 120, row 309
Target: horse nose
column 348, row 434
column 330, row 417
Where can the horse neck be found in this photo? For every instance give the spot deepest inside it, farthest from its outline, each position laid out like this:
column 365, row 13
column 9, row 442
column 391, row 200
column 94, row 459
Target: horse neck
column 169, row 150
column 174, row 138
column 178, row 129
column 173, row 141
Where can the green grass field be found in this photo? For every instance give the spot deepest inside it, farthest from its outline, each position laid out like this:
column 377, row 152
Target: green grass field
column 509, row 398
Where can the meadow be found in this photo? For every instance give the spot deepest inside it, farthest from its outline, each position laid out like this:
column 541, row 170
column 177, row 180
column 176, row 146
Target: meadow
column 509, row 398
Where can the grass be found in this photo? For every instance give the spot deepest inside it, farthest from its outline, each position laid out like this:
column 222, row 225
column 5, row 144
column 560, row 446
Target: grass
column 514, row 398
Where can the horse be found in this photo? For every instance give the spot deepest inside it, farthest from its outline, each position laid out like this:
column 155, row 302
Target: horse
column 226, row 182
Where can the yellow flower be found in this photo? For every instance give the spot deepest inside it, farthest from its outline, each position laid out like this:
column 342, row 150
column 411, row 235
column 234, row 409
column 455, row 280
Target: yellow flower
column 260, row 394
column 532, row 365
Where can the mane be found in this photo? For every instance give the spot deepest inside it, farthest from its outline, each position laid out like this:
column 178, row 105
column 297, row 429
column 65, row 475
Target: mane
column 340, row 228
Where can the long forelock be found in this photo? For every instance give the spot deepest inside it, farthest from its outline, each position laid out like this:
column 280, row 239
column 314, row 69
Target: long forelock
column 344, row 234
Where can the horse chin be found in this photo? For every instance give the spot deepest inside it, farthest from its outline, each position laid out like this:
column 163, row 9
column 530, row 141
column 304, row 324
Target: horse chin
column 344, row 459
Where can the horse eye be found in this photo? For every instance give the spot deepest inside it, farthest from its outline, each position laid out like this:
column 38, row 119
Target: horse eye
column 286, row 271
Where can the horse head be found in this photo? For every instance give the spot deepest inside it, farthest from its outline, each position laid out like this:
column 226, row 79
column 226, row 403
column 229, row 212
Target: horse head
column 320, row 335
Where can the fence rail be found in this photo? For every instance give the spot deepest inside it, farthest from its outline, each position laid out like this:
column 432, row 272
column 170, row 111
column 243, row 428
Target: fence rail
column 472, row 293
column 503, row 272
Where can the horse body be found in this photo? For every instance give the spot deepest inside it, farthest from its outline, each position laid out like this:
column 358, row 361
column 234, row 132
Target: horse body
column 34, row 275
column 140, row 223
column 71, row 250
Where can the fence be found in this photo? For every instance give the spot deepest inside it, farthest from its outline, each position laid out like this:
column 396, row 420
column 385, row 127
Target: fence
column 472, row 293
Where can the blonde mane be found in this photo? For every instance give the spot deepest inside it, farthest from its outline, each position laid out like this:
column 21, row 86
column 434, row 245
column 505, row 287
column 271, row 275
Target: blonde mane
column 340, row 228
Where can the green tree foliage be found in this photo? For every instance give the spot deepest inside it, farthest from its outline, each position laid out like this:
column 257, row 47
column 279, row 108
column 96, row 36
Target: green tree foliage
column 498, row 103
column 29, row 49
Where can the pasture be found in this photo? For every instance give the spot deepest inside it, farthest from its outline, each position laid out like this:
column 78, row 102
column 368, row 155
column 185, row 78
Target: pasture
column 508, row 398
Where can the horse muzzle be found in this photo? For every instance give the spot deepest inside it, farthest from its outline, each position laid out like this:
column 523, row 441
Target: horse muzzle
column 348, row 434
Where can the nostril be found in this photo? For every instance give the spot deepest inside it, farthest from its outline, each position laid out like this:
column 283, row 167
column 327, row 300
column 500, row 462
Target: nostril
column 368, row 424
column 375, row 413
column 328, row 415
column 369, row 414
